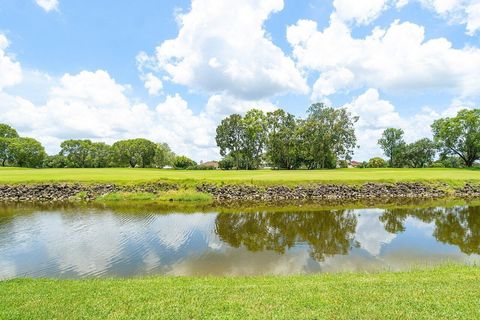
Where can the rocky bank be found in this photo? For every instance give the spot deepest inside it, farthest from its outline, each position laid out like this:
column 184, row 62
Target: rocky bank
column 58, row 192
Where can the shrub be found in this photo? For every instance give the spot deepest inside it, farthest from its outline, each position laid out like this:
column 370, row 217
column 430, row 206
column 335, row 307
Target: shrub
column 437, row 164
column 343, row 164
column 377, row 163
column 183, row 162
column 227, row 163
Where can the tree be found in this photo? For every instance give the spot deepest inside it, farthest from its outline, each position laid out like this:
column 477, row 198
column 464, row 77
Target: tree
column 459, row 135
column 328, row 135
column 55, row 161
column 243, row 138
column 282, row 140
column 229, row 137
column 4, row 150
column 377, row 163
column 255, row 128
column 392, row 145
column 100, row 155
column 419, row 154
column 227, row 163
column 183, row 162
column 7, row 132
column 134, row 152
column 163, row 155
column 26, row 152
column 76, row 152
column 451, row 161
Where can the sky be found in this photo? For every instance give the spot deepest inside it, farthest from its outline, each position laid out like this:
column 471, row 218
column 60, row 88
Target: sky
column 170, row 71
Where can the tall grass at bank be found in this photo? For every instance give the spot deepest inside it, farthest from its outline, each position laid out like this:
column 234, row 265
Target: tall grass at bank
column 448, row 292
column 170, row 196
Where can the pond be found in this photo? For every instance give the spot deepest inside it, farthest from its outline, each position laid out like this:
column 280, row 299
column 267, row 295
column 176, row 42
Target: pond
column 77, row 242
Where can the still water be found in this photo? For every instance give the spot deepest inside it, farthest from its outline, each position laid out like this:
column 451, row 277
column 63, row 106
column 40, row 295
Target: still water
column 100, row 242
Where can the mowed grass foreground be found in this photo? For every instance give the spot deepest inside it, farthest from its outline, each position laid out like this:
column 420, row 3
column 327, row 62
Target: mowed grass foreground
column 449, row 292
column 138, row 175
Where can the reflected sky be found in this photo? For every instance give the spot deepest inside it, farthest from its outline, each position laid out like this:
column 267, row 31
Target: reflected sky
column 92, row 242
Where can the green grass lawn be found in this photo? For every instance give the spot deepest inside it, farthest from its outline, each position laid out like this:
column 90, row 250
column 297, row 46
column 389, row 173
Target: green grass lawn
column 449, row 292
column 127, row 175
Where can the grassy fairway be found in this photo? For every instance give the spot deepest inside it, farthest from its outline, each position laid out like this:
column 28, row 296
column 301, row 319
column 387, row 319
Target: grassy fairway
column 126, row 175
column 444, row 293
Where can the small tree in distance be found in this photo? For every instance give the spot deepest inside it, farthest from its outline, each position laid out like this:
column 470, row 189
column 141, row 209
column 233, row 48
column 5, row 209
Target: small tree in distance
column 183, row 162
column 392, row 145
column 377, row 162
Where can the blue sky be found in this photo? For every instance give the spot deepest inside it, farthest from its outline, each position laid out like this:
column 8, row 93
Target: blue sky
column 171, row 70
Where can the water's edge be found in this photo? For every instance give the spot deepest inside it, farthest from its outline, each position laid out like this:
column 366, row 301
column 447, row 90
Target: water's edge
column 234, row 193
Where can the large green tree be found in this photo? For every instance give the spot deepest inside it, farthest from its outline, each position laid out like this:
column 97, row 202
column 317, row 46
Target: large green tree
column 254, row 139
column 134, row 152
column 26, row 152
column 419, row 154
column 229, row 137
column 55, row 161
column 4, row 150
column 328, row 135
column 243, row 138
column 393, row 145
column 76, row 152
column 100, row 155
column 163, row 155
column 7, row 132
column 459, row 135
column 282, row 140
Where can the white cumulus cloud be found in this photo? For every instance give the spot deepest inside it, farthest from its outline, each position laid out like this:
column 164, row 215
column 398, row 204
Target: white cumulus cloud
column 376, row 114
column 363, row 11
column 48, row 5
column 92, row 105
column 398, row 59
column 465, row 12
column 10, row 70
column 152, row 83
column 223, row 48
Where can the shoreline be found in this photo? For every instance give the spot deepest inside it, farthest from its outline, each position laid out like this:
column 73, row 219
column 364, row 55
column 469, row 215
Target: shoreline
column 227, row 194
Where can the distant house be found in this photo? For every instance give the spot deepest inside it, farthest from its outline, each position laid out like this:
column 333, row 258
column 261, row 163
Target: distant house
column 354, row 164
column 167, row 167
column 210, row 165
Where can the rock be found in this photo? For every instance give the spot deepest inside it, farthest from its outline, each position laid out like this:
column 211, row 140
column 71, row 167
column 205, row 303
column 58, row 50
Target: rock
column 61, row 192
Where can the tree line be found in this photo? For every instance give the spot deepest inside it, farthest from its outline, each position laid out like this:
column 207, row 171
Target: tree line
column 284, row 141
column 456, row 141
column 326, row 139
column 28, row 152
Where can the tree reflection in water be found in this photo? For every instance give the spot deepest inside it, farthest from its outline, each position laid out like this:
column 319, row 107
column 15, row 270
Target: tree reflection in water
column 327, row 233
column 458, row 226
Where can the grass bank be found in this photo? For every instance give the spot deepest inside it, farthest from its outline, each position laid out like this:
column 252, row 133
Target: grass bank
column 168, row 196
column 448, row 292
column 258, row 177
